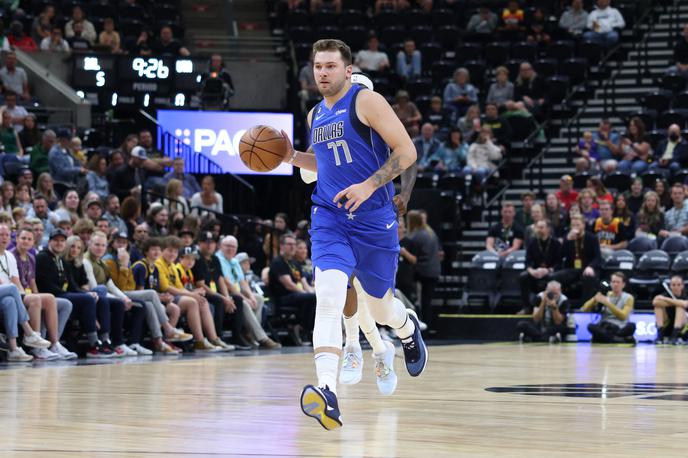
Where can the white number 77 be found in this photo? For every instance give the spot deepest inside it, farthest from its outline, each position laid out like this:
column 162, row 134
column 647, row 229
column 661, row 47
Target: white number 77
column 334, row 146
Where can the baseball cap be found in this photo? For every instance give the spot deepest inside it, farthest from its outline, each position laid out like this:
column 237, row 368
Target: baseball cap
column 568, row 178
column 58, row 233
column 121, row 235
column 206, row 236
column 243, row 256
column 63, row 133
column 188, row 251
column 139, row 152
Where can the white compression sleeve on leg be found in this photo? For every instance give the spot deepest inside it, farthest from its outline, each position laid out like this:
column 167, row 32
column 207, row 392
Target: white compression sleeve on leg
column 326, row 366
column 368, row 325
column 391, row 312
column 351, row 330
column 330, row 292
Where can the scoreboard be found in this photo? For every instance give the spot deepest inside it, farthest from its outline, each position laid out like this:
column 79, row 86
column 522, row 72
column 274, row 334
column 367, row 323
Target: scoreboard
column 115, row 81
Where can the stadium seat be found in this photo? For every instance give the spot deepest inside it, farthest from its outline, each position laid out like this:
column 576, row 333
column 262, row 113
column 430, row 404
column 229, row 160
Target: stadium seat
column 303, row 51
column 651, row 269
column 448, row 36
column 496, row 53
column 355, row 36
column 654, row 137
column 681, row 100
column 418, row 87
column 133, row 27
column 350, row 18
column 521, row 127
column 469, row 51
column 510, row 276
column 452, row 182
column 328, row 31
column 392, row 35
column 387, row 18
column 513, row 66
column 442, row 17
column 545, row 67
column 560, row 50
column 576, row 69
column 482, row 278
column 420, row 33
column 657, row 100
column 477, row 70
column 618, row 181
column 423, row 103
column 441, row 70
column 679, row 177
column 669, row 117
column 675, row 245
column 673, row 82
column 431, row 52
column 524, row 51
column 323, row 18
column 298, row 18
column 641, row 245
column 618, row 261
column 650, row 177
column 557, row 88
column 680, row 264
column 426, row 180
column 591, row 51
column 647, row 116
column 580, row 180
column 415, row 17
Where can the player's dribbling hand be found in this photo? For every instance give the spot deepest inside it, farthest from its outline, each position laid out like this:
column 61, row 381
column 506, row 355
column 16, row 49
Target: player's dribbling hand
column 354, row 196
column 290, row 147
column 400, row 203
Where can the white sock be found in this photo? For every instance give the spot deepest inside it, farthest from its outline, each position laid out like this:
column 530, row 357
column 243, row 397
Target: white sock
column 326, row 367
column 406, row 327
column 372, row 335
column 351, row 329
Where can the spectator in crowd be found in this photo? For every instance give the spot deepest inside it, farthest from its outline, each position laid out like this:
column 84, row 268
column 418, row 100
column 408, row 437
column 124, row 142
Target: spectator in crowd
column 588, row 206
column 303, row 262
column 451, row 157
column 42, row 24
column 97, row 181
column 41, row 211
column 24, row 198
column 13, row 151
column 409, row 60
column 566, row 194
column 317, row 5
column 55, row 42
column 604, row 24
column 469, row 123
column 500, row 128
column 670, row 313
column 15, row 309
column 549, row 319
column 192, row 303
column 502, row 90
column 44, row 187
column 207, row 198
column 29, row 133
column 664, row 192
column 131, row 214
column 506, row 236
column 19, row 40
column 189, row 184
column 437, row 115
column 536, row 29
column 427, row 266
column 523, row 215
column 625, row 215
column 129, row 178
column 156, row 161
column 530, row 89
column 610, row 231
column 93, row 210
column 600, row 192
column 635, row 150
column 371, row 59
column 615, row 309
column 158, row 220
column 69, row 208
column 483, row 23
column 676, row 219
column 78, row 16
column 608, row 145
column 176, row 202
column 482, row 156
column 427, row 147
column 109, row 37
column 407, row 112
column 63, row 166
column 289, row 290
column 166, row 44
column 681, row 46
column 120, row 269
column 55, row 279
column 555, row 215
column 543, row 257
column 271, row 246
column 98, row 277
column 14, row 78
column 536, row 214
column 55, row 311
column 216, row 69
column 405, row 278
column 16, row 113
column 587, row 151
column 634, row 196
column 459, row 94
column 672, row 152
column 77, row 41
column 575, row 19
column 143, row 44
column 513, row 17
column 309, row 92
column 39, row 155
column 650, row 216
column 112, row 214
column 581, row 258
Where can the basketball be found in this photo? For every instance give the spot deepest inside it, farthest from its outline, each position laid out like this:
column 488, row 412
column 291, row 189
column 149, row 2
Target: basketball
column 262, row 148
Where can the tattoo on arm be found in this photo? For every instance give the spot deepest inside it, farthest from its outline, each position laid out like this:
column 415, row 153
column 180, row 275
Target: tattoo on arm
column 389, row 171
column 408, row 179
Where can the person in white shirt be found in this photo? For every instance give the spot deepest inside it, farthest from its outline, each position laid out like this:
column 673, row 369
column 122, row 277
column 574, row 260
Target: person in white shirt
column 55, row 42
column 604, row 22
column 372, row 59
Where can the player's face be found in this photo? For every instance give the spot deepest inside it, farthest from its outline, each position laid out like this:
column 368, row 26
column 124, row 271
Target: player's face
column 676, row 286
column 330, row 72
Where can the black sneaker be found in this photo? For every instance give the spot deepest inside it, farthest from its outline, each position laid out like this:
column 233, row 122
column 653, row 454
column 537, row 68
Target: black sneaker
column 321, row 404
column 415, row 351
column 101, row 351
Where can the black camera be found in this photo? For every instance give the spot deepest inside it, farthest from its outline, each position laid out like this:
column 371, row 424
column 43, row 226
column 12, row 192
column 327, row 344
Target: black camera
column 605, row 287
column 550, row 295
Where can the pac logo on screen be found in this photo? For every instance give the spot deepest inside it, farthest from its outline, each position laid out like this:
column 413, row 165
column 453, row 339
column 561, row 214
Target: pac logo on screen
column 217, row 134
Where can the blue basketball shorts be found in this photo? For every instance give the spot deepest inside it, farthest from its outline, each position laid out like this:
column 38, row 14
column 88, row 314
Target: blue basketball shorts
column 365, row 244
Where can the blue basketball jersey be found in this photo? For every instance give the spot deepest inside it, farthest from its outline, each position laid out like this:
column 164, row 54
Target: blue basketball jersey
column 347, row 152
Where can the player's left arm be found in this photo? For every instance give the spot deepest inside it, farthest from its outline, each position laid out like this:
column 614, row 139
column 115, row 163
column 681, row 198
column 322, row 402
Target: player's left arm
column 374, row 111
column 408, row 180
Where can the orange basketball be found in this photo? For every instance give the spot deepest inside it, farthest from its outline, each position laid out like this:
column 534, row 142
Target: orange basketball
column 262, row 148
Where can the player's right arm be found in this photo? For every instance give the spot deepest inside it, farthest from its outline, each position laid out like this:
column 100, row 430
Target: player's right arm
column 305, row 160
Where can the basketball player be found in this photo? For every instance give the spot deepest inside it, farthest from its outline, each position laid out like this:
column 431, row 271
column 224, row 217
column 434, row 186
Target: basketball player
column 361, row 146
column 356, row 314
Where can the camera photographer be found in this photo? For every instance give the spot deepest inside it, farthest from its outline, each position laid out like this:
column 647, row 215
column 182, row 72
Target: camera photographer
column 615, row 308
column 670, row 309
column 549, row 318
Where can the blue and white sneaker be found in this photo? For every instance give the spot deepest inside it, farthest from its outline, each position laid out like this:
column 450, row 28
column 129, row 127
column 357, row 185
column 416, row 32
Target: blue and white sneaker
column 321, row 404
column 384, row 371
column 415, row 351
column 352, row 366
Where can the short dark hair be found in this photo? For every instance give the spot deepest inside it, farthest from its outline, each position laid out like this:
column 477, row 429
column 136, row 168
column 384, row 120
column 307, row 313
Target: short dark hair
column 172, row 241
column 283, row 238
column 330, row 44
column 9, row 92
column 620, row 275
column 149, row 243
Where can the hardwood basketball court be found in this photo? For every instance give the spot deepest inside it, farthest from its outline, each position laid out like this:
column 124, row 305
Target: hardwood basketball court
column 474, row 401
